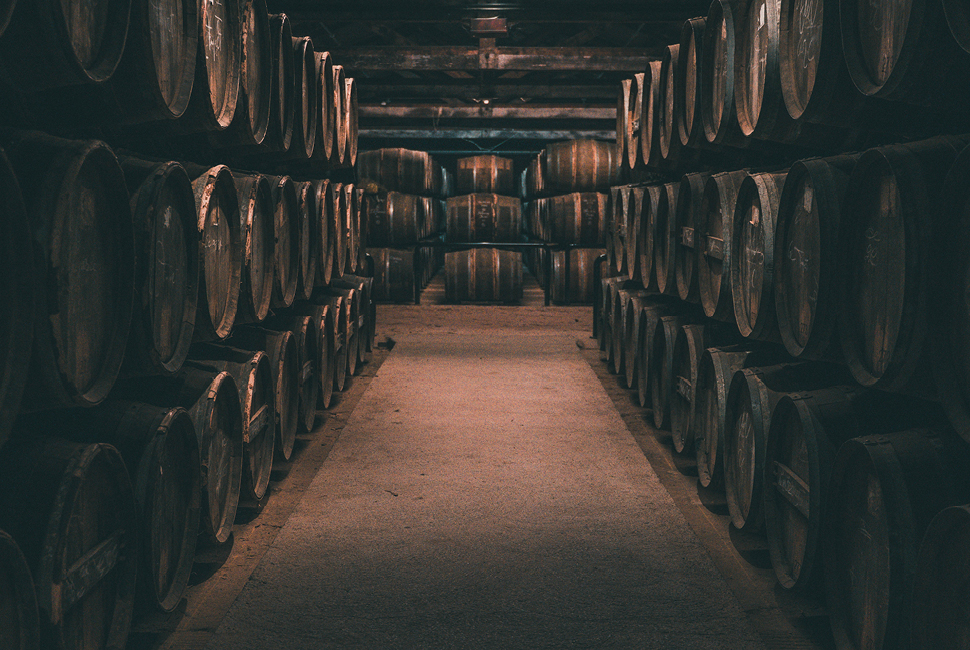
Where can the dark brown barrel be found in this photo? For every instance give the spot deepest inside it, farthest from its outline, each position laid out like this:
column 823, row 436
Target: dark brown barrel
column 326, row 229
column 635, row 227
column 605, row 314
column 940, row 598
column 484, row 217
column 665, row 239
column 648, row 238
column 155, row 77
column 751, row 399
column 351, row 226
column 161, row 451
column 714, row 376
column 309, row 237
column 689, row 219
column 616, row 239
column 689, row 344
column 485, row 174
column 536, row 174
column 339, row 157
column 17, row 262
column 280, row 347
column 897, row 50
column 340, row 349
column 650, row 110
column 363, row 314
column 623, row 129
column 688, row 82
column 718, row 113
column 660, row 372
column 306, row 333
column 714, row 236
column 20, row 623
column 217, row 71
column 77, row 204
column 279, row 137
column 634, row 122
column 758, row 97
column 287, row 226
column 671, row 150
column 252, row 375
column 221, row 252
column 616, row 310
column 64, row 44
column 753, row 263
column 251, row 121
column 807, row 253
column 347, row 313
column 257, row 219
column 483, row 275
column 629, row 307
column 326, row 346
column 645, row 328
column 167, row 266
column 325, row 117
column 305, row 97
column 888, row 261
column 394, row 279
column 958, row 19
column 350, row 117
column 397, row 170
column 885, row 491
column 806, row 430
column 340, row 236
column 577, row 285
column 71, row 510
column 581, row 166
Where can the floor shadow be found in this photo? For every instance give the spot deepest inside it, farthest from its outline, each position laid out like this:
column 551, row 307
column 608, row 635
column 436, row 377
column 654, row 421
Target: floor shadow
column 210, row 559
column 713, row 499
column 751, row 547
column 150, row 628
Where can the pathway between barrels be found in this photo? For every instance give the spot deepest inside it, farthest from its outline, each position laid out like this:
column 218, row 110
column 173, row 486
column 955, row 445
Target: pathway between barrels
column 485, row 493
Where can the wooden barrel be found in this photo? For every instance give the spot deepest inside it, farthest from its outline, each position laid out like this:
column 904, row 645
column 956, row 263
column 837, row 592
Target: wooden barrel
column 351, row 226
column 78, row 210
column 807, row 253
column 157, row 71
column 340, row 236
column 574, row 285
column 714, row 234
column 485, row 174
column 670, row 148
column 717, row 368
column 753, row 263
column 357, row 292
column 885, row 491
column 623, row 128
column 221, row 251
column 689, row 344
column 484, row 218
column 665, row 239
column 628, row 307
column 659, row 373
column 536, row 174
column 616, row 229
column 634, row 121
column 161, row 451
column 958, row 19
column 347, row 313
column 648, row 237
column 340, row 348
column 326, row 346
column 887, row 257
column 649, row 115
column 305, row 96
column 645, row 330
column 806, row 430
column 633, row 240
column 279, row 137
column 350, row 118
column 20, row 623
column 215, row 92
column 339, row 157
column 250, row 123
column 368, row 311
column 326, row 229
column 309, row 237
column 751, row 399
column 257, row 218
column 394, row 278
column 483, row 275
column 65, row 44
column 604, row 314
column 71, row 510
column 397, row 170
column 17, row 261
column 718, row 113
column 289, row 231
column 688, row 219
column 306, row 333
column 616, row 310
column 939, row 588
column 325, row 116
column 688, row 84
column 580, row 166
column 166, row 266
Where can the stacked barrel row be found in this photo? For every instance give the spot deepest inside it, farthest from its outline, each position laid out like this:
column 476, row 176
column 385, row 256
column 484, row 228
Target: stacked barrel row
column 804, row 331
column 565, row 188
column 175, row 324
column 221, row 78
column 402, row 206
column 486, row 210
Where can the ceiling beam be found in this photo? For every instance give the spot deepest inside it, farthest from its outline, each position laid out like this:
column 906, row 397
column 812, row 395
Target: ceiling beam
column 431, row 58
column 384, row 91
column 521, row 112
column 465, row 133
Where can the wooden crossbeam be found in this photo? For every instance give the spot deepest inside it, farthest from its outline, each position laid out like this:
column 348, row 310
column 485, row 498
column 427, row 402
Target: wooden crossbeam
column 523, row 112
column 432, row 58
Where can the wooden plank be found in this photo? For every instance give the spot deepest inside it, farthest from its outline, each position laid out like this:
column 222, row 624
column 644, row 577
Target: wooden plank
column 433, row 58
column 472, row 134
column 524, row 112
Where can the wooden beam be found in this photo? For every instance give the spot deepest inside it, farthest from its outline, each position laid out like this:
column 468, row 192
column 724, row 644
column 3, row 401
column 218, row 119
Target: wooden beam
column 521, row 112
column 485, row 134
column 384, row 91
column 431, row 58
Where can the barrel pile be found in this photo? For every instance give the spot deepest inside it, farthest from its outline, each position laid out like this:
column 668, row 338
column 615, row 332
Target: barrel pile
column 795, row 315
column 169, row 327
column 485, row 210
column 565, row 188
column 402, row 206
